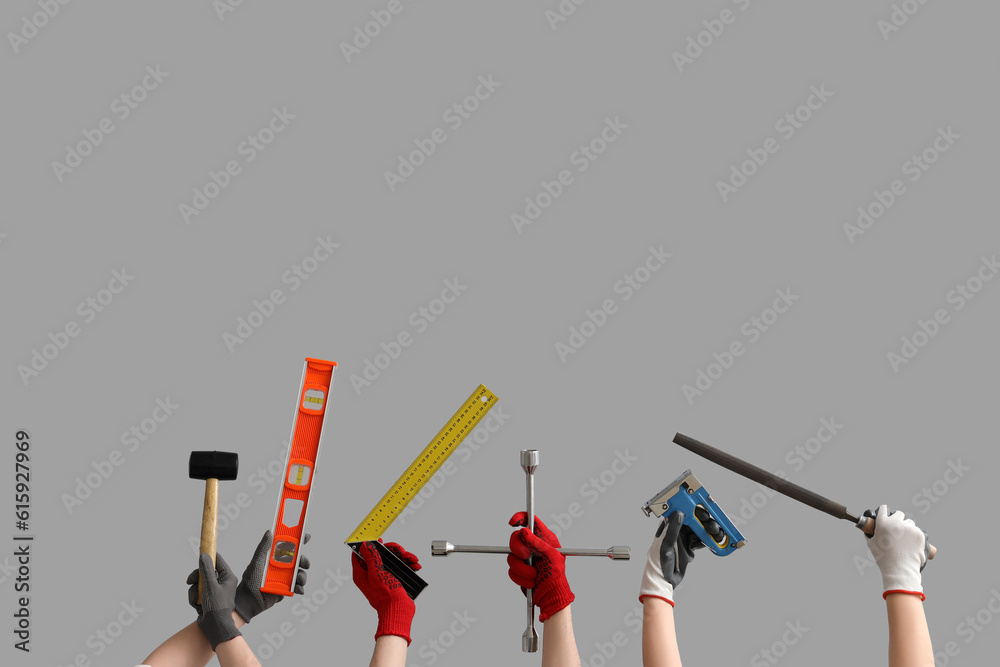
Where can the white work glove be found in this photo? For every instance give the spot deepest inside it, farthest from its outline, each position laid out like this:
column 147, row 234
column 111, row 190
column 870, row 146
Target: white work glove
column 668, row 557
column 900, row 549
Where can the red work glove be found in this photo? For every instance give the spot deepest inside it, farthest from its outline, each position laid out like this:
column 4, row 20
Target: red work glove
column 385, row 594
column 547, row 575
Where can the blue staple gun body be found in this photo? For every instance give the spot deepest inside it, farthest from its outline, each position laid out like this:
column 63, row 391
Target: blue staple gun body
column 688, row 495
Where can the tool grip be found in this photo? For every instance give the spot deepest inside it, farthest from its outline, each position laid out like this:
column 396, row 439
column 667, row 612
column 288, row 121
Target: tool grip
column 209, row 522
column 869, row 529
column 412, row 584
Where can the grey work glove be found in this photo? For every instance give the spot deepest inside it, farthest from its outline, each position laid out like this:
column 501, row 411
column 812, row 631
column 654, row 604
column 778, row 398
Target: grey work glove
column 218, row 591
column 250, row 601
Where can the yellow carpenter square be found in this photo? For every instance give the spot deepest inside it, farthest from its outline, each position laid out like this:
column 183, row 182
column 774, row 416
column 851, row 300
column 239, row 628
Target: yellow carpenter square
column 424, row 466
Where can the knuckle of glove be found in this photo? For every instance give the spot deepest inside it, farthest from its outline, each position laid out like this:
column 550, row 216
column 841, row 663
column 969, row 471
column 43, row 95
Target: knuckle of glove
column 517, row 545
column 519, row 519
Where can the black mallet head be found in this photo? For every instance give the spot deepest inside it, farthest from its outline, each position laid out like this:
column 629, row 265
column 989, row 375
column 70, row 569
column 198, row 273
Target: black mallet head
column 214, row 465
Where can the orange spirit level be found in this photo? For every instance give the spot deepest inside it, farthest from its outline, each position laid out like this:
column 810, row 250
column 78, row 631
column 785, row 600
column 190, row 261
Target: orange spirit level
column 300, row 471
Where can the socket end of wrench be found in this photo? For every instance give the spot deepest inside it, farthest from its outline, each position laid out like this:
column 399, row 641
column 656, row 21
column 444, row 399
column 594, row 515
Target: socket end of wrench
column 619, row 552
column 529, row 641
column 443, row 548
column 529, row 460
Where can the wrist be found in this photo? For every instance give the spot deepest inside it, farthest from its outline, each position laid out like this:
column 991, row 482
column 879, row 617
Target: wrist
column 249, row 602
column 562, row 617
column 242, row 610
column 900, row 591
column 651, row 601
column 218, row 626
column 554, row 603
column 389, row 641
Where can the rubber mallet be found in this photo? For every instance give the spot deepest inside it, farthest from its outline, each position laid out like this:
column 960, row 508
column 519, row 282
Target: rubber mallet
column 211, row 467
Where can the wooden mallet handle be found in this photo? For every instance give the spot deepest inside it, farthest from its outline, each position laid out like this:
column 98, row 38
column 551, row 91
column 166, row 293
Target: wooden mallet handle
column 869, row 529
column 209, row 522
column 211, row 467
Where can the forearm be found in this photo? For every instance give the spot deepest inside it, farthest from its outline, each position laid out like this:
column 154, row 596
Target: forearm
column 659, row 637
column 236, row 653
column 558, row 643
column 187, row 648
column 909, row 638
column 390, row 651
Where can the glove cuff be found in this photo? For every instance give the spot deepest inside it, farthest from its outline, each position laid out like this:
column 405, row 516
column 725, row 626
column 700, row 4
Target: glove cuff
column 902, row 581
column 654, row 585
column 218, row 626
column 243, row 606
column 554, row 602
column 396, row 618
column 659, row 597
column 899, row 590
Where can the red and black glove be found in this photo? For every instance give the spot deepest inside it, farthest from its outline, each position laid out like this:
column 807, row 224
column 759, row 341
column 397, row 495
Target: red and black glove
column 547, row 575
column 385, row 594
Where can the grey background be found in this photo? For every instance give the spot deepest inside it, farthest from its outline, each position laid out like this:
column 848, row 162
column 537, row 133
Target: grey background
column 656, row 185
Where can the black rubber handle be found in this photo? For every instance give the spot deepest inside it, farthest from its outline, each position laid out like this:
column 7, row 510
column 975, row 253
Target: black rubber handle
column 412, row 584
